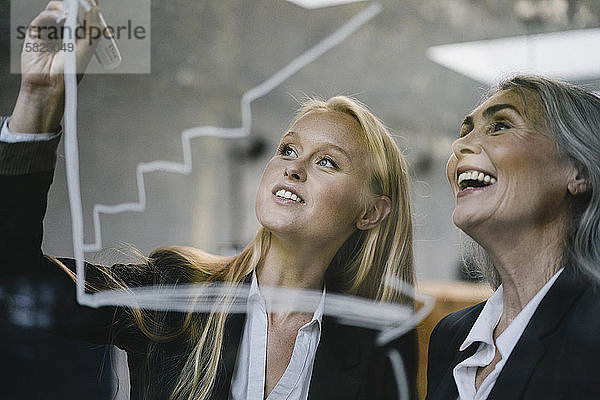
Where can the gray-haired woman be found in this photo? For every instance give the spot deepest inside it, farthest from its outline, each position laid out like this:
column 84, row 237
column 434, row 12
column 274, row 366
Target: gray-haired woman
column 526, row 175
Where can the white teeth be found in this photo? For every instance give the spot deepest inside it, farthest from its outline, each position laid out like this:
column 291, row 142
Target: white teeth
column 286, row 194
column 475, row 176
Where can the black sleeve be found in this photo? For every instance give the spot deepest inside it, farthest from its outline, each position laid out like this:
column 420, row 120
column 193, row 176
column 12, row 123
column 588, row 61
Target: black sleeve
column 35, row 293
column 407, row 347
column 383, row 382
column 26, row 172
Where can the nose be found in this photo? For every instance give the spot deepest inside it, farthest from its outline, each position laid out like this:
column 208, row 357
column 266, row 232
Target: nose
column 295, row 171
column 463, row 146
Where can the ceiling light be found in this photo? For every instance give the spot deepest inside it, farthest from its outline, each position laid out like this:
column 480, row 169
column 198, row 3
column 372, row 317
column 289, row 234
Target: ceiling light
column 568, row 55
column 310, row 4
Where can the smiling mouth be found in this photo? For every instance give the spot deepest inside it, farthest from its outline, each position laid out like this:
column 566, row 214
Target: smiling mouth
column 474, row 179
column 286, row 194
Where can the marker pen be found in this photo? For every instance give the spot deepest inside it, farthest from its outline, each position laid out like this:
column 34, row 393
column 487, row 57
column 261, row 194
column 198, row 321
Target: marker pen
column 107, row 52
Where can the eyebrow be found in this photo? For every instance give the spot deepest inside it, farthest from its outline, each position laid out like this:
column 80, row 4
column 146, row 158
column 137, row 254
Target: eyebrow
column 326, row 144
column 467, row 121
column 488, row 112
column 288, row 134
column 338, row 148
column 491, row 110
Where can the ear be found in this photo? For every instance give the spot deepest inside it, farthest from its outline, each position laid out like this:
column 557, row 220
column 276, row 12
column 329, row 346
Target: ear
column 376, row 211
column 577, row 184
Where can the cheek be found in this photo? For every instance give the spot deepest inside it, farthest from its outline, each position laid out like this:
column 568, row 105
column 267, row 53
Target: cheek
column 532, row 179
column 523, row 167
column 450, row 169
column 343, row 200
column 268, row 173
column 264, row 189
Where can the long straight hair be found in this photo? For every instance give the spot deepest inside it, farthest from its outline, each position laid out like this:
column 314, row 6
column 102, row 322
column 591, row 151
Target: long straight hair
column 361, row 267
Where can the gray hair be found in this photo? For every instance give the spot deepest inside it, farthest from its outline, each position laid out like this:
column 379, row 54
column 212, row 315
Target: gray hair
column 572, row 115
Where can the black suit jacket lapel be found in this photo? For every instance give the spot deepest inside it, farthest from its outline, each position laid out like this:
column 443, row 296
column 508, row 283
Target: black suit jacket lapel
column 338, row 356
column 234, row 327
column 519, row 367
column 446, row 389
column 334, row 373
column 530, row 348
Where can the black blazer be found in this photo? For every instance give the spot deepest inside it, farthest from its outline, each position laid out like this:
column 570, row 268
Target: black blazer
column 557, row 356
column 347, row 365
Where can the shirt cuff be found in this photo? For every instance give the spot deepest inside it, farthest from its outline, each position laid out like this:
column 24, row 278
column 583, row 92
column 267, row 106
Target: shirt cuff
column 7, row 136
column 28, row 155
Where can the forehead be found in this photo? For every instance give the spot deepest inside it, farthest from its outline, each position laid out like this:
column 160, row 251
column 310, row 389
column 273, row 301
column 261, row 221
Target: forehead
column 336, row 128
column 524, row 102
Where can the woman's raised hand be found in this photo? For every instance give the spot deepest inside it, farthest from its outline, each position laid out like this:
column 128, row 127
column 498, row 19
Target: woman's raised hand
column 40, row 104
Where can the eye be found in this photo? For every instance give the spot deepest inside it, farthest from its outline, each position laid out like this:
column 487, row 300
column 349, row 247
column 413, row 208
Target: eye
column 465, row 129
column 466, row 126
column 287, row 151
column 498, row 126
column 327, row 162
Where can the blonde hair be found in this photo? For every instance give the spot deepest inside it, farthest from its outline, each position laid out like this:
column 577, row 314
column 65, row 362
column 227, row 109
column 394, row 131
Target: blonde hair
column 360, row 267
column 365, row 260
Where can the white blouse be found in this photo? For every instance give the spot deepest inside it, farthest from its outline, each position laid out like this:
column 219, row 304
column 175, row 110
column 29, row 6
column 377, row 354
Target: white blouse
column 249, row 376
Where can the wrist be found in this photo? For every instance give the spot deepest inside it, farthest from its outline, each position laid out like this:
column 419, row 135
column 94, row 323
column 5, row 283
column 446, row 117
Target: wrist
column 37, row 110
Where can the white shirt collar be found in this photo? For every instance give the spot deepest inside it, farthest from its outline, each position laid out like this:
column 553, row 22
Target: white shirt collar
column 248, row 380
column 485, row 324
column 254, row 294
column 483, row 328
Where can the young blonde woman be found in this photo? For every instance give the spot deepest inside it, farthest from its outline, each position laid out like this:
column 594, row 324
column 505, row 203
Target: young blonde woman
column 333, row 204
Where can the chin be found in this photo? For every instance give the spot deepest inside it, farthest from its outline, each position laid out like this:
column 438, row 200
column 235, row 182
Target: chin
column 275, row 223
column 462, row 221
